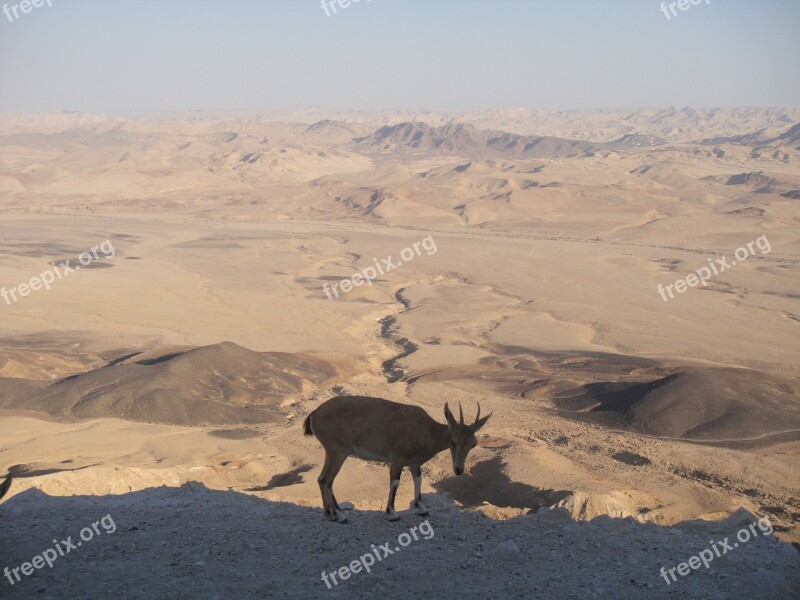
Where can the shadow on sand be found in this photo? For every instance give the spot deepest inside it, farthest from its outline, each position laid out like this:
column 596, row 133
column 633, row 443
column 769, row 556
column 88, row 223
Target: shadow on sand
column 488, row 483
column 192, row 542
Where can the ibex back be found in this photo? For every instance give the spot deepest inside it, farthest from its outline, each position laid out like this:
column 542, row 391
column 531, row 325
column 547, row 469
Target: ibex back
column 384, row 431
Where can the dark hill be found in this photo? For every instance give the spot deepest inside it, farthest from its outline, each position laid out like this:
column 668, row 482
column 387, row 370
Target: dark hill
column 467, row 140
column 219, row 384
column 706, row 404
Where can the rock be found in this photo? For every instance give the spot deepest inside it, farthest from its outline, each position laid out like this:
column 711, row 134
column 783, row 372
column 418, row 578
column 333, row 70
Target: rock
column 508, row 546
column 553, row 515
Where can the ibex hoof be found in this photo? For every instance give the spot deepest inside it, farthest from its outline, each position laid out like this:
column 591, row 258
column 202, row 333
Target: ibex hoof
column 339, row 517
column 392, row 516
column 419, row 508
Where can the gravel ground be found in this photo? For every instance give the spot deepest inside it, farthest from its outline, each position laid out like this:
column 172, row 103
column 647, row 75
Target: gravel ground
column 190, row 542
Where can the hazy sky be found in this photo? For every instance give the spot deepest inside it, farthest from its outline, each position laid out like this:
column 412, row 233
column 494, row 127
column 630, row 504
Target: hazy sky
column 144, row 56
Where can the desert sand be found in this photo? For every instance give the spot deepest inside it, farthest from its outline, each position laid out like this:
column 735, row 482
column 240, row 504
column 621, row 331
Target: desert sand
column 191, row 356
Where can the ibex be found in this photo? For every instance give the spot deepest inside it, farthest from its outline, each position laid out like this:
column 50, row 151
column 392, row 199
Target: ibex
column 384, row 431
column 5, row 486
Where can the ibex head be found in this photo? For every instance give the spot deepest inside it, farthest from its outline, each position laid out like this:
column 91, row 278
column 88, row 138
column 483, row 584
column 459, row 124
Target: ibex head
column 462, row 436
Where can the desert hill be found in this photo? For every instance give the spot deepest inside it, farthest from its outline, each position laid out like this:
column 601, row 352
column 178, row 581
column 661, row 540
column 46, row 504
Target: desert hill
column 773, row 142
column 466, row 139
column 219, row 384
column 702, row 404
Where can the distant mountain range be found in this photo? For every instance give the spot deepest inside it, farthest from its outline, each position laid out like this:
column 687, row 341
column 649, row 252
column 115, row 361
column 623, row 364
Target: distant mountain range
column 466, row 139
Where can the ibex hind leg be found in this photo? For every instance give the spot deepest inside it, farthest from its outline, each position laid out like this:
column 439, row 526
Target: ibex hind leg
column 333, row 464
column 416, row 504
column 323, row 489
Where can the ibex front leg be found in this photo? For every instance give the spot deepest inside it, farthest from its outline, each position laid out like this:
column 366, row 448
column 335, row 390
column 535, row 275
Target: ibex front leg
column 395, row 470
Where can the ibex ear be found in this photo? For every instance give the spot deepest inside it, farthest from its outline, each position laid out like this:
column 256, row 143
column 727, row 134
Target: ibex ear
column 451, row 420
column 480, row 423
